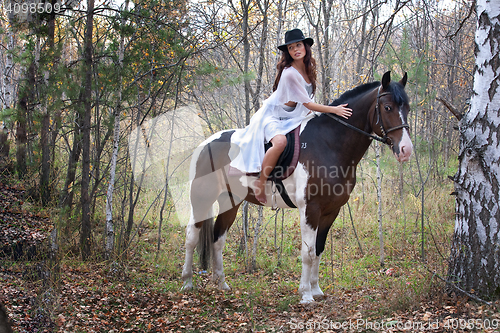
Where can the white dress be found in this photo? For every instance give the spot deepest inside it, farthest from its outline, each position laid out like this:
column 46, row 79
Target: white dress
column 273, row 118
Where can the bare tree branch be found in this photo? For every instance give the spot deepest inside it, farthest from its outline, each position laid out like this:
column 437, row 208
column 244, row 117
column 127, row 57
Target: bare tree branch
column 450, row 107
column 460, row 26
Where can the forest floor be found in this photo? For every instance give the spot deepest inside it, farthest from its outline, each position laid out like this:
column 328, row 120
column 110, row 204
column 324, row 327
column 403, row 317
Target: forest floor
column 91, row 301
column 138, row 296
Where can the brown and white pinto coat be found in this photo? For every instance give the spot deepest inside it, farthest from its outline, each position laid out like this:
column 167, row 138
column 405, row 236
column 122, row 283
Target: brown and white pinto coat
column 320, row 185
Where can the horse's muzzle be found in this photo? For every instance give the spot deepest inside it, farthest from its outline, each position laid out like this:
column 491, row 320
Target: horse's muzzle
column 404, row 149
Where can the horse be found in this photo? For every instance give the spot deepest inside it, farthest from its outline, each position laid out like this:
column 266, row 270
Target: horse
column 325, row 175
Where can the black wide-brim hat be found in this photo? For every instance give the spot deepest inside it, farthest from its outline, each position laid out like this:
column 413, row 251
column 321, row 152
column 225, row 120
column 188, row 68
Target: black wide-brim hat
column 294, row 36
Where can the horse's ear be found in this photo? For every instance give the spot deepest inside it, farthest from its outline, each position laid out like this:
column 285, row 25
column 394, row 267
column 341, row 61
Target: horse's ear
column 404, row 79
column 386, row 79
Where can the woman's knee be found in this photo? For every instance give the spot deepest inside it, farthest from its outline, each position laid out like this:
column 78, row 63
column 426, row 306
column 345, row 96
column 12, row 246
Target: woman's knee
column 279, row 142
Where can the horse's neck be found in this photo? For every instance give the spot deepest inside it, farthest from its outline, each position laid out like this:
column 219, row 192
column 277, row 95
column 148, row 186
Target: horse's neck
column 363, row 110
column 362, row 118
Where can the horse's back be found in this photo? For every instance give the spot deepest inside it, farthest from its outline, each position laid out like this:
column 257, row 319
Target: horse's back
column 212, row 154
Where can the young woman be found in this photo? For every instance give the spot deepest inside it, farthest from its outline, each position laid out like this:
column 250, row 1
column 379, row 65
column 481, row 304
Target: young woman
column 283, row 111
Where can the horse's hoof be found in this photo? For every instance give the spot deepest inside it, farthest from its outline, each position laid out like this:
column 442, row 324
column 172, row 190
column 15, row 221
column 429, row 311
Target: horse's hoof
column 318, row 293
column 224, row 287
column 187, row 287
column 307, row 300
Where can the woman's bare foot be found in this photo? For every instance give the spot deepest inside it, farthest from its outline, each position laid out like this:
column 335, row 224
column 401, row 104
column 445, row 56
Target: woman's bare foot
column 270, row 158
column 260, row 191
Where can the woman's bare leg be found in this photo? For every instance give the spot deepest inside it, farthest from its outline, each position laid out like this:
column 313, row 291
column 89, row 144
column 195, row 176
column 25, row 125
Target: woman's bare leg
column 270, row 159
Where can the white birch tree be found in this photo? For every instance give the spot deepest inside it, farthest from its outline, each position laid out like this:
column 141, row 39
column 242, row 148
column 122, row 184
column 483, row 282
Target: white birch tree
column 7, row 83
column 475, row 251
column 7, row 79
column 110, row 233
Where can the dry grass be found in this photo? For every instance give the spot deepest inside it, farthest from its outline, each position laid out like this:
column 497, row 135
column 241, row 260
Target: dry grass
column 356, row 284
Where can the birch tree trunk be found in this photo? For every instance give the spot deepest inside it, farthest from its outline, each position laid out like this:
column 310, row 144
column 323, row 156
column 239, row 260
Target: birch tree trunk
column 245, row 6
column 379, row 203
column 475, row 251
column 257, row 233
column 8, row 84
column 110, row 233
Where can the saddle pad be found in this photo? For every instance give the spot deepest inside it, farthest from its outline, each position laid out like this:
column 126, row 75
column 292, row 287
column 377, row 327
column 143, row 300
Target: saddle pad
column 287, row 161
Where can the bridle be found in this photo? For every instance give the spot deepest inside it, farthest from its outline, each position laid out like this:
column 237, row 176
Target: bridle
column 384, row 139
column 379, row 119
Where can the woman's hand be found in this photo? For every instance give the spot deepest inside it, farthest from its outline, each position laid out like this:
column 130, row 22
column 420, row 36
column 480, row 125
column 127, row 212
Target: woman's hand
column 341, row 110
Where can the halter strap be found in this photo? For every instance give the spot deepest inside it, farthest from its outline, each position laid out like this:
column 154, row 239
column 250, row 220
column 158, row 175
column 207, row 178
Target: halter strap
column 383, row 139
column 374, row 137
column 379, row 118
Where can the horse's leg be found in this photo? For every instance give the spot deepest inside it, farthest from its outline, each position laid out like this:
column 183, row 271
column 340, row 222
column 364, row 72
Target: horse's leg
column 222, row 224
column 308, row 219
column 315, row 289
column 192, row 237
column 204, row 192
column 325, row 222
column 309, row 214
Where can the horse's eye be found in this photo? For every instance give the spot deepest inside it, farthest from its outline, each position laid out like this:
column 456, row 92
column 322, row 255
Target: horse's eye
column 387, row 108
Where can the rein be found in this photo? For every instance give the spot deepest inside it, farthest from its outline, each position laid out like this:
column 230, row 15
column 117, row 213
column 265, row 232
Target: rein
column 383, row 139
column 374, row 137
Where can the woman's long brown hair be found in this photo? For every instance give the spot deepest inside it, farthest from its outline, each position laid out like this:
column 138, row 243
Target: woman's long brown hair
column 286, row 61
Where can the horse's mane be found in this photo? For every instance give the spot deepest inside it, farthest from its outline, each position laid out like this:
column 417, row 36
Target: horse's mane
column 398, row 93
column 395, row 88
column 359, row 90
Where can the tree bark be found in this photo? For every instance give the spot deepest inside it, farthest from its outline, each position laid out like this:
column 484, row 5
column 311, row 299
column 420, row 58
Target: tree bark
column 257, row 234
column 475, row 256
column 379, row 204
column 322, row 28
column 327, row 70
column 45, row 169
column 85, row 233
column 45, row 191
column 264, row 8
column 110, row 233
column 66, row 198
column 25, row 100
column 245, row 5
column 361, row 47
column 8, row 83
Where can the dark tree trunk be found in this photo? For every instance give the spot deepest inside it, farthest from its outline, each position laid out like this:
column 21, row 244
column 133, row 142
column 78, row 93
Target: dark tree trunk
column 66, row 199
column 85, row 233
column 5, row 326
column 45, row 176
column 45, row 192
column 21, row 141
column 245, row 4
column 264, row 7
column 25, row 98
column 4, row 143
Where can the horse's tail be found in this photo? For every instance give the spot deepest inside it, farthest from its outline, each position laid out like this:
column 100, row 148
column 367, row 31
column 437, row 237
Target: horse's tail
column 206, row 243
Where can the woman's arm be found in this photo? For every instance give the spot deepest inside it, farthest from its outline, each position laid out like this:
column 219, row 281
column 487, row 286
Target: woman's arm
column 291, row 90
column 340, row 110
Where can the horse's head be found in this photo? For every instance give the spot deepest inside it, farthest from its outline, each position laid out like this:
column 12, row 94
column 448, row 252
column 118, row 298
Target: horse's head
column 391, row 116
